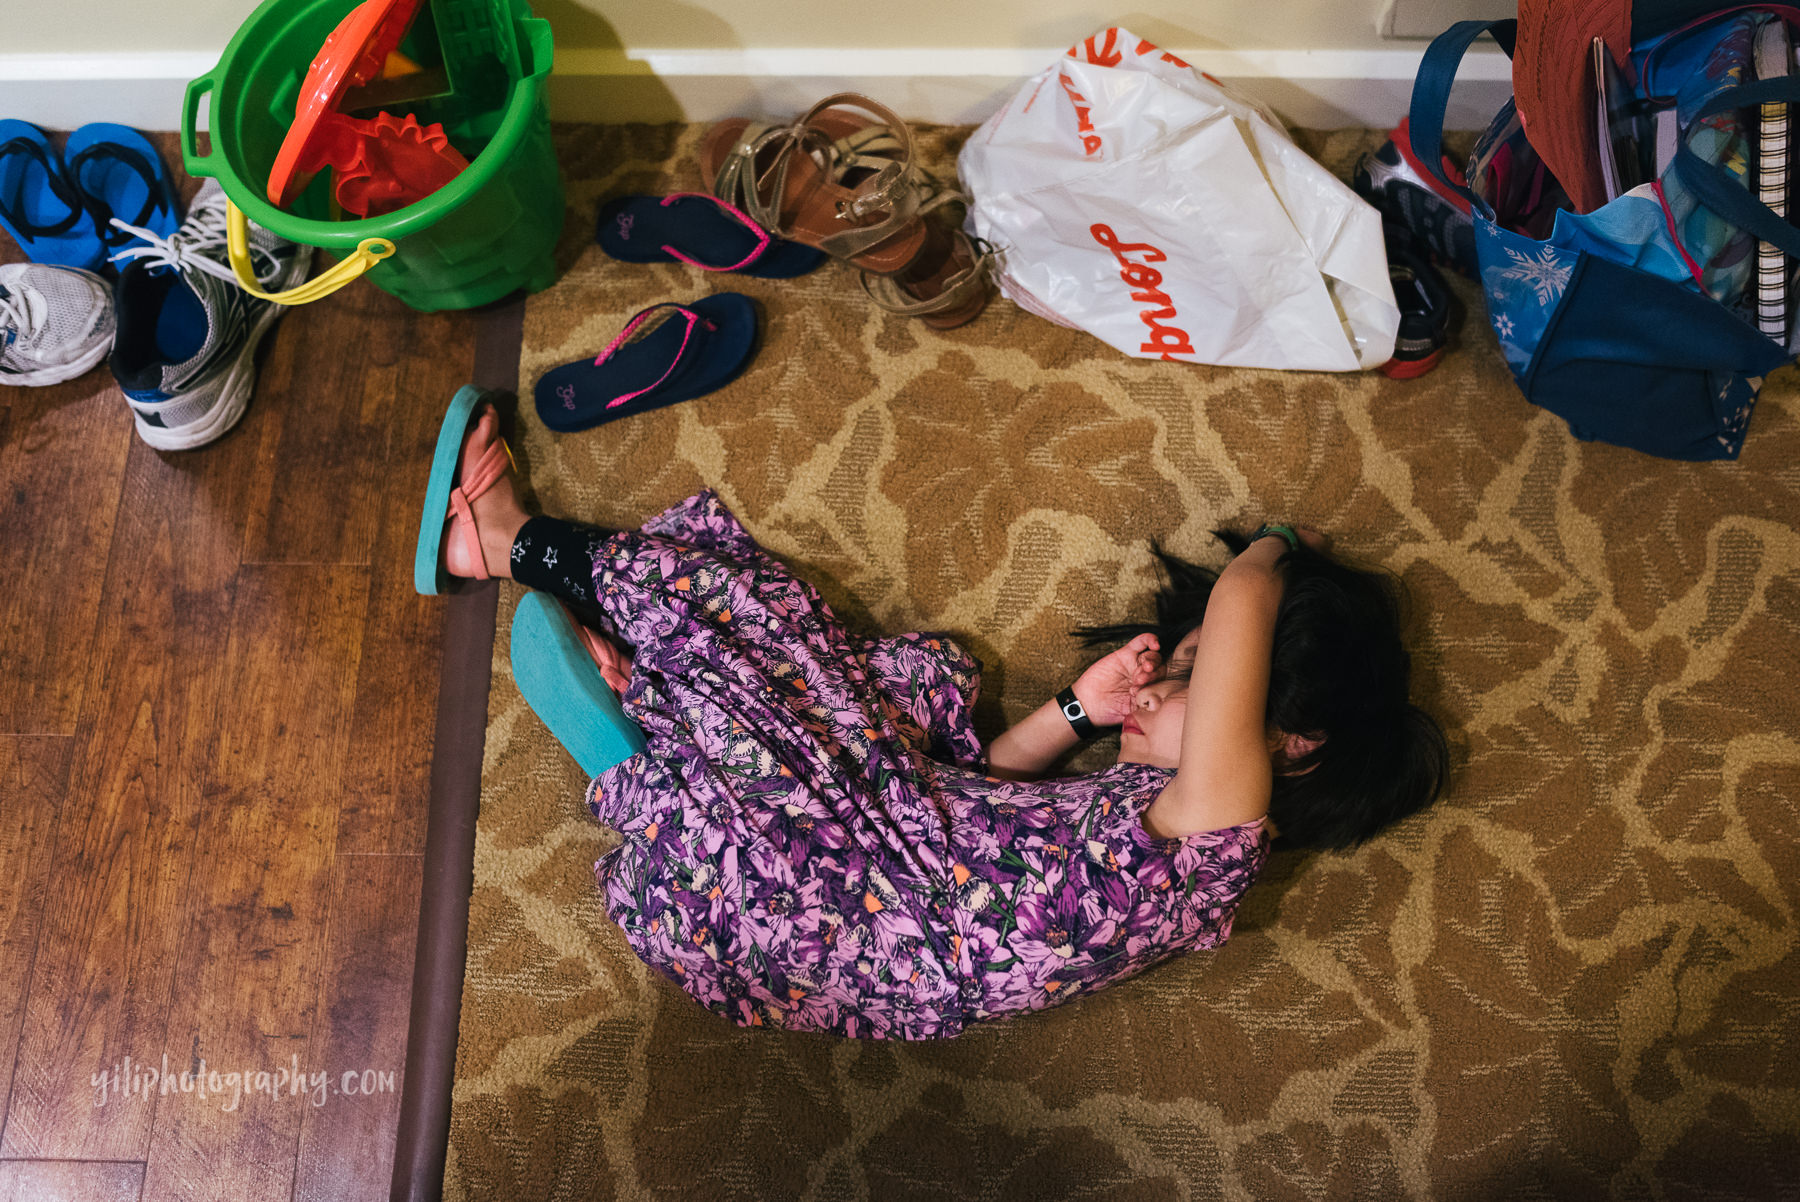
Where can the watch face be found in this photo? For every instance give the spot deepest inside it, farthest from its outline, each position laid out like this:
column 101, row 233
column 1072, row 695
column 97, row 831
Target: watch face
column 1074, row 713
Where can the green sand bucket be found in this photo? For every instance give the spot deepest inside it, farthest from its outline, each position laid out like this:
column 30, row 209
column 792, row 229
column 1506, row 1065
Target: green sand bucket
column 486, row 234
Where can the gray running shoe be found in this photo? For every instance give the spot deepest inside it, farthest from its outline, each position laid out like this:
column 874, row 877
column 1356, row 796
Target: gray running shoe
column 185, row 355
column 55, row 323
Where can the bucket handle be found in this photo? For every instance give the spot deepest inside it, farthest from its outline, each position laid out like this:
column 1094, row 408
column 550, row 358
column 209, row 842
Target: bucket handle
column 191, row 158
column 368, row 252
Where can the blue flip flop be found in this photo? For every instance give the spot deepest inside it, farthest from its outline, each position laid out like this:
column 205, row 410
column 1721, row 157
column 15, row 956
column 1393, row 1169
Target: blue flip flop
column 443, row 489
column 699, row 348
column 118, row 173
column 39, row 205
column 702, row 231
column 561, row 682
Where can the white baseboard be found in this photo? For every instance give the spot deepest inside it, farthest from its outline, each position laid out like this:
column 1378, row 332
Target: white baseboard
column 1318, row 89
column 1315, row 89
column 62, row 91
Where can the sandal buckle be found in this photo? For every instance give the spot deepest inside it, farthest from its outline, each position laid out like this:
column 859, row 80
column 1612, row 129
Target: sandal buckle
column 853, row 210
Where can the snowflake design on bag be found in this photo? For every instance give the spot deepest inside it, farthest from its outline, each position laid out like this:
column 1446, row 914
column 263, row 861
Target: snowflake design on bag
column 1503, row 324
column 1545, row 273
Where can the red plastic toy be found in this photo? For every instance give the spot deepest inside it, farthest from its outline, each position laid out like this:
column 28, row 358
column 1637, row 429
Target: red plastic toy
column 382, row 163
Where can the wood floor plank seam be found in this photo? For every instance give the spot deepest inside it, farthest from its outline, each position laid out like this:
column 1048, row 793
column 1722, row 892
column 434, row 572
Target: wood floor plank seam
column 64, row 1160
column 71, row 1180
column 364, row 564
column 36, row 885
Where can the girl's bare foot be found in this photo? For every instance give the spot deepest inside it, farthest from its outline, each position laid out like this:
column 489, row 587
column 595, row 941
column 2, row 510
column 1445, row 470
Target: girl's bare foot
column 498, row 514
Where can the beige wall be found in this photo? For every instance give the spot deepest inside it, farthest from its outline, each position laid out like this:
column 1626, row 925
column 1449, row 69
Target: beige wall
column 1028, row 24
column 117, row 26
column 120, row 26
column 1321, row 63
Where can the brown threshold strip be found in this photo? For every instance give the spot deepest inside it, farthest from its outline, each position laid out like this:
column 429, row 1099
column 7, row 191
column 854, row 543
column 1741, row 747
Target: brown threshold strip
column 423, row 1135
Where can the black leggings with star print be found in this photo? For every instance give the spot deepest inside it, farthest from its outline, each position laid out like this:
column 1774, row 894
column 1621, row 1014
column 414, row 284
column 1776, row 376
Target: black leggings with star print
column 557, row 557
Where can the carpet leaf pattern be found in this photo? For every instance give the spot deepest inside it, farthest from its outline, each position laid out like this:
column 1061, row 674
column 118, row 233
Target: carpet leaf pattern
column 1577, row 976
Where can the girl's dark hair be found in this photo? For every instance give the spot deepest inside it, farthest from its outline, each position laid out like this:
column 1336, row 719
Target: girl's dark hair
column 1339, row 674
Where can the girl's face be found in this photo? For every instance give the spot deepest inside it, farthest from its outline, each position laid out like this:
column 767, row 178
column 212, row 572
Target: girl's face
column 1152, row 732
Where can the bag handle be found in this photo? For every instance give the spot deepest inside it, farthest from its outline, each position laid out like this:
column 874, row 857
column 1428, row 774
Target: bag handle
column 1711, row 185
column 1722, row 192
column 192, row 160
column 368, row 252
column 1663, row 39
column 1431, row 95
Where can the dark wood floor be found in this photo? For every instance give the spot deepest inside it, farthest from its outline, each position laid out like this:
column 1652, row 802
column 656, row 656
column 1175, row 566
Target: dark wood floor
column 215, row 751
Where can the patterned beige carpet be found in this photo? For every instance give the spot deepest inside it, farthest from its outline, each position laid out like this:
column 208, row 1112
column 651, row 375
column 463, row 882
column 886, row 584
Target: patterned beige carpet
column 1576, row 978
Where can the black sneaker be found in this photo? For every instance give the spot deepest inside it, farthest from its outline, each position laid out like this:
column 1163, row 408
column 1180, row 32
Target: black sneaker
column 1424, row 302
column 1393, row 180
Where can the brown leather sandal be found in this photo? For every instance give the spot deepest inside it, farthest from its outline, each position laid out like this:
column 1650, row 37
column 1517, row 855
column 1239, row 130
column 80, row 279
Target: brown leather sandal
column 947, row 285
column 827, row 179
column 791, row 180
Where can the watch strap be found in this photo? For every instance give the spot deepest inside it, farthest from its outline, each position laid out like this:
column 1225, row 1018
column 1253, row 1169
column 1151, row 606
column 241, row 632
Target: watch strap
column 1285, row 533
column 1077, row 715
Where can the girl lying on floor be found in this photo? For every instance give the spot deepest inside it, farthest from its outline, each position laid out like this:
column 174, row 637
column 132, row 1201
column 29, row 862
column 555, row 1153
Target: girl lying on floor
column 814, row 837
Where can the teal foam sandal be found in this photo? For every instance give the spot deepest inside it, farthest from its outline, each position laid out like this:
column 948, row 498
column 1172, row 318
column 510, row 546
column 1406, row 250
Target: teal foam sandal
column 561, row 681
column 448, row 498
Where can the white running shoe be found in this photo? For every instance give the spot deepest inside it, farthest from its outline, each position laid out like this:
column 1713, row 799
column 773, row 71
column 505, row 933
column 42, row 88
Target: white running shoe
column 185, row 354
column 55, row 323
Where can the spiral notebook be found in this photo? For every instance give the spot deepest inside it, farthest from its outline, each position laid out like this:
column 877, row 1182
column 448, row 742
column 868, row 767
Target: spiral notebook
column 1772, row 57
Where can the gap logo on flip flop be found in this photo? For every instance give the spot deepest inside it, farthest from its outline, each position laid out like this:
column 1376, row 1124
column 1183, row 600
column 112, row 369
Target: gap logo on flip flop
column 1145, row 282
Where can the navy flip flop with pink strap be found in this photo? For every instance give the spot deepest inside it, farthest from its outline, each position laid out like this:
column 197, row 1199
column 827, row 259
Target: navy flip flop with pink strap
column 701, row 231
column 696, row 349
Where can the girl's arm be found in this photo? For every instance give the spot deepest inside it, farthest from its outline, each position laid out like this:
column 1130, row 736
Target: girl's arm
column 1225, row 776
column 1024, row 751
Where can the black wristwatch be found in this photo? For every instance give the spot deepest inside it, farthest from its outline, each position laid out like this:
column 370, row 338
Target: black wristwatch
column 1077, row 716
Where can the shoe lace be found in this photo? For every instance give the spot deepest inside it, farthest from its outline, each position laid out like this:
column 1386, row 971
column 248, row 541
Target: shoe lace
column 199, row 245
column 15, row 315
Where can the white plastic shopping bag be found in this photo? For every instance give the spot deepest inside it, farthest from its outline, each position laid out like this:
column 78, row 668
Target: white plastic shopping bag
column 1137, row 198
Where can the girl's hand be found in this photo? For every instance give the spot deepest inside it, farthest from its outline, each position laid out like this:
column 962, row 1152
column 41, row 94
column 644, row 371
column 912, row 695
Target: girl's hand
column 1105, row 690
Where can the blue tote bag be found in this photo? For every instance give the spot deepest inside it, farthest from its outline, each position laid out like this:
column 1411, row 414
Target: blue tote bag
column 1601, row 319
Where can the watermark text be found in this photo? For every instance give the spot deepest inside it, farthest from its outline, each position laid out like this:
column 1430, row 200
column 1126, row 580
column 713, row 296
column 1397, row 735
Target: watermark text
column 228, row 1088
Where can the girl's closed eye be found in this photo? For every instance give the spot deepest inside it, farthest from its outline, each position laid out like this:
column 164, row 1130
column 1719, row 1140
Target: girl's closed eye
column 1180, row 663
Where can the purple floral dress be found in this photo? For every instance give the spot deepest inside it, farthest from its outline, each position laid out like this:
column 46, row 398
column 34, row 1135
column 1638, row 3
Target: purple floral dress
column 809, row 841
